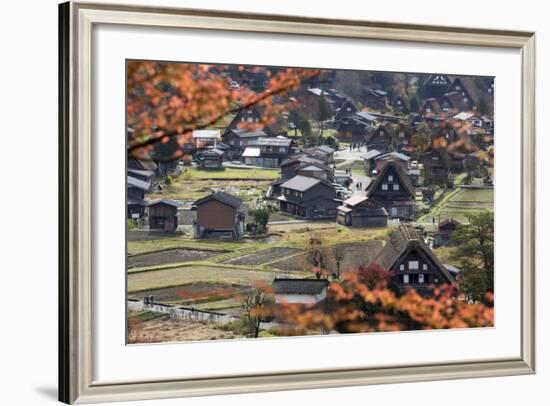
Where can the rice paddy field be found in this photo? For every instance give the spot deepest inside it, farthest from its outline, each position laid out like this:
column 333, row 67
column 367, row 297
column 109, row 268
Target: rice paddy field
column 215, row 275
column 467, row 201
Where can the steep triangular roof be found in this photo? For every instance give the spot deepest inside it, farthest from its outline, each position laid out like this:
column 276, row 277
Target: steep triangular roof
column 470, row 86
column 402, row 241
column 400, row 173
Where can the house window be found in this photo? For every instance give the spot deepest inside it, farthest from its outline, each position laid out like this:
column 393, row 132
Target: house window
column 384, row 186
column 425, row 267
column 401, row 267
column 390, row 178
column 421, row 278
column 428, row 110
column 457, row 87
column 231, row 142
column 413, row 265
column 401, row 134
column 465, row 100
column 250, row 119
column 348, row 109
column 396, row 186
column 282, row 149
column 406, row 278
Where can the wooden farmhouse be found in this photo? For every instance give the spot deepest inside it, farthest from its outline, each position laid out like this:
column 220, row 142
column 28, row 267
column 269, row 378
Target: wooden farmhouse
column 313, row 171
column 436, row 167
column 382, row 138
column 435, row 86
column 397, row 157
column 143, row 165
column 394, row 190
column 369, row 160
column 356, row 127
column 218, row 216
column 471, row 119
column 268, row 152
column 347, row 109
column 300, row 291
column 239, row 139
column 445, row 230
column 468, row 89
column 291, row 166
column 431, row 107
column 308, row 198
column 359, row 211
column 163, row 215
column 323, row 153
column 414, row 263
column 375, row 99
column 454, row 102
column 246, row 118
column 143, row 175
column 211, row 158
column 136, row 189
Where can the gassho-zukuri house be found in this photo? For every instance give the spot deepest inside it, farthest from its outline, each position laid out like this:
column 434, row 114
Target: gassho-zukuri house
column 393, row 189
column 414, row 263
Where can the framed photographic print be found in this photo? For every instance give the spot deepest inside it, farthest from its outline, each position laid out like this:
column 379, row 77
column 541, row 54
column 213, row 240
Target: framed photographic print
column 265, row 202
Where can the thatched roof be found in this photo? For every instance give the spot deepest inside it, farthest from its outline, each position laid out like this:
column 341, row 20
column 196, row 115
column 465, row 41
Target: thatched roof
column 404, row 240
column 404, row 179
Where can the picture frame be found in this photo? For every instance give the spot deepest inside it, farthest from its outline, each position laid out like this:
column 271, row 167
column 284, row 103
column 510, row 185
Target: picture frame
column 76, row 214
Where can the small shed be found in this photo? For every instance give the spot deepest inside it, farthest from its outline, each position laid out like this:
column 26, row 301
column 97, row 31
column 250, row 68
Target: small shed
column 163, row 215
column 360, row 211
column 300, row 291
column 206, row 138
column 445, row 230
column 211, row 159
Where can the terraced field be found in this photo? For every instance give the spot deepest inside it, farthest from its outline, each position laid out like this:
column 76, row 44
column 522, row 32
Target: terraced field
column 466, row 201
column 215, row 275
column 170, row 256
column 262, row 257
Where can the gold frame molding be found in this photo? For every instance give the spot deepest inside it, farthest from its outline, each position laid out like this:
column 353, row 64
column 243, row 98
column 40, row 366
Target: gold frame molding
column 76, row 21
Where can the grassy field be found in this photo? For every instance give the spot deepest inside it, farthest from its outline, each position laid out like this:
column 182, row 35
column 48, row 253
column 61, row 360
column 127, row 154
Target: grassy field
column 230, row 173
column 194, row 183
column 157, row 279
column 154, row 245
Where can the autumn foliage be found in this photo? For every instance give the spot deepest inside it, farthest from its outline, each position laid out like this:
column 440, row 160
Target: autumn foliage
column 364, row 301
column 167, row 101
